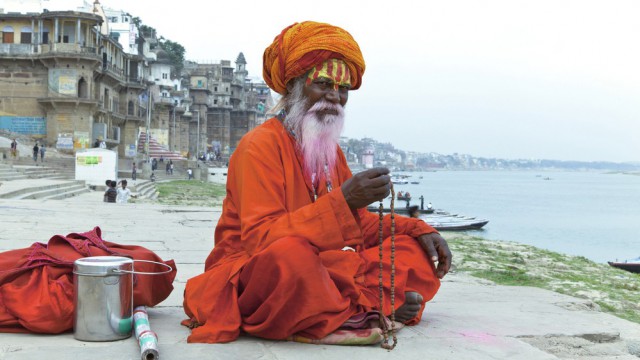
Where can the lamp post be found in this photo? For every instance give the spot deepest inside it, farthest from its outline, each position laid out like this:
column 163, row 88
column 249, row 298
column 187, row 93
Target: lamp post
column 173, row 143
column 198, row 138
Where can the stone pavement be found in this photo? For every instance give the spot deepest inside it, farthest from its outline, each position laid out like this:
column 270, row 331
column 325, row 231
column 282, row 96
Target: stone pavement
column 469, row 318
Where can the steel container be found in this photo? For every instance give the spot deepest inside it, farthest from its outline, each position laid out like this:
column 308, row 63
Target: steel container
column 103, row 298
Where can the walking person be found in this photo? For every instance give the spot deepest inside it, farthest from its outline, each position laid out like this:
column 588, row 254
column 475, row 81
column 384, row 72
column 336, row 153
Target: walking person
column 14, row 148
column 42, row 151
column 189, row 174
column 111, row 194
column 133, row 171
column 123, row 193
column 35, row 152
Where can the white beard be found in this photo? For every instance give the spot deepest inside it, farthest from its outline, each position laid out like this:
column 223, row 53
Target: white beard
column 317, row 134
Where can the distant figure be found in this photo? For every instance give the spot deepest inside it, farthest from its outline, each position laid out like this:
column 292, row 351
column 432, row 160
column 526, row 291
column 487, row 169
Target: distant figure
column 414, row 212
column 133, row 171
column 14, row 148
column 421, row 202
column 154, row 164
column 123, row 193
column 167, row 167
column 42, row 151
column 189, row 174
column 161, row 158
column 103, row 144
column 35, row 152
column 111, row 194
column 429, row 206
column 108, row 185
column 400, row 195
column 96, row 144
column 153, row 177
column 170, row 167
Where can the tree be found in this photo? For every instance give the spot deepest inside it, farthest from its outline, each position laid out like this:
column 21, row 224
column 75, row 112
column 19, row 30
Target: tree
column 175, row 51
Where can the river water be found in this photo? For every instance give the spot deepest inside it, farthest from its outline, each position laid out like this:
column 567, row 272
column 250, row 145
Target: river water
column 591, row 214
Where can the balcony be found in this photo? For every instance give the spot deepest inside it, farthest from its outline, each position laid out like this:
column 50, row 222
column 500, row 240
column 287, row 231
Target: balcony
column 14, row 50
column 67, row 50
column 112, row 70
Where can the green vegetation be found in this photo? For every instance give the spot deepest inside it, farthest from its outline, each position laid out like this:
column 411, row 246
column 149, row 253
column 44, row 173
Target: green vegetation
column 175, row 50
column 190, row 192
column 508, row 263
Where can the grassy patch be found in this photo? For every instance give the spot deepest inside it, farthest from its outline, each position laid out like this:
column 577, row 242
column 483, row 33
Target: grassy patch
column 190, row 192
column 510, row 263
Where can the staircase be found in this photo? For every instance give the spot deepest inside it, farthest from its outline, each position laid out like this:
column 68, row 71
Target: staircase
column 8, row 173
column 157, row 150
column 54, row 191
column 145, row 189
column 51, row 168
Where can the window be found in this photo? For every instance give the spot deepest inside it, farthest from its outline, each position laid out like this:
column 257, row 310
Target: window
column 215, row 102
column 215, row 89
column 7, row 35
column 164, row 75
column 199, row 83
column 25, row 35
column 45, row 35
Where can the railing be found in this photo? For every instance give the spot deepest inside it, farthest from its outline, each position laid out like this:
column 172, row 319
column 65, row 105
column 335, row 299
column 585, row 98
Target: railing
column 66, row 48
column 16, row 49
column 113, row 69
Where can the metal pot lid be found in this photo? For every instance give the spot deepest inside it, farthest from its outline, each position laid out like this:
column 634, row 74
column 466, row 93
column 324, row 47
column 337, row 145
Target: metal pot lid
column 101, row 265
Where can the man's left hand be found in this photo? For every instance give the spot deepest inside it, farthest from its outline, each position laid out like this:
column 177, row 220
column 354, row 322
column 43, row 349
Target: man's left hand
column 438, row 251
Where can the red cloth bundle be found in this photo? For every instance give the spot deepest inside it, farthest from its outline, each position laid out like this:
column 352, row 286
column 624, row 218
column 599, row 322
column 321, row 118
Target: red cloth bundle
column 36, row 283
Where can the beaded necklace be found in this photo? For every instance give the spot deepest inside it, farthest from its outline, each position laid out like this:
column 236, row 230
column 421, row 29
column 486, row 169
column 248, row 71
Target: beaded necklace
column 383, row 324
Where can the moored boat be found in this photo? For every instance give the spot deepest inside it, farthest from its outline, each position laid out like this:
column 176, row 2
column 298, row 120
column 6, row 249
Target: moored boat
column 628, row 265
column 400, row 210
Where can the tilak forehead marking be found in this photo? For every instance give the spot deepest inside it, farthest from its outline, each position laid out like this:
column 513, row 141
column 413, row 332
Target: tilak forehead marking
column 332, row 69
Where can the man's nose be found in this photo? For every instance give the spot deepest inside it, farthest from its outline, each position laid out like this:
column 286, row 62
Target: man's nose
column 333, row 95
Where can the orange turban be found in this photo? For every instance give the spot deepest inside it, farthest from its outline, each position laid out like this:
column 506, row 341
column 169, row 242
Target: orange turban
column 301, row 46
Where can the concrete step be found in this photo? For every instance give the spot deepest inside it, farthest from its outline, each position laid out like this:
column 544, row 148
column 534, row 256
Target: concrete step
column 145, row 189
column 12, row 176
column 44, row 190
column 67, row 192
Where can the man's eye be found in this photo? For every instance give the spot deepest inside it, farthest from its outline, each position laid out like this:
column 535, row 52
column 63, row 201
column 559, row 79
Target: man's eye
column 345, row 87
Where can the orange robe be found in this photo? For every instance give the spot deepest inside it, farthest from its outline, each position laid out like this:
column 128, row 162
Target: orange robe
column 278, row 267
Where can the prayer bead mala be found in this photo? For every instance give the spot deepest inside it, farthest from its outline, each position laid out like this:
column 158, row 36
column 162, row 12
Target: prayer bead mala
column 383, row 323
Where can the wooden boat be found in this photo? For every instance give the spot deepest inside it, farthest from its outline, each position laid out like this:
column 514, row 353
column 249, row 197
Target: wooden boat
column 458, row 226
column 404, row 198
column 629, row 265
column 398, row 210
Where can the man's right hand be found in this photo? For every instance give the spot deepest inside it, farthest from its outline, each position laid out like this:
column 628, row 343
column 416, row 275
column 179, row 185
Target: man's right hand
column 366, row 187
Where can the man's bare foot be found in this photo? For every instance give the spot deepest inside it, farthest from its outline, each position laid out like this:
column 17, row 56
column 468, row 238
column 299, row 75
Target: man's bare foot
column 410, row 308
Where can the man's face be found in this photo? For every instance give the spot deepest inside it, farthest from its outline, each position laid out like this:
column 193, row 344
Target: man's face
column 329, row 81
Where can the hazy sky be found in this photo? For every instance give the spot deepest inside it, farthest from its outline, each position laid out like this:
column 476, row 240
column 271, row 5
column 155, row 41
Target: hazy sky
column 544, row 79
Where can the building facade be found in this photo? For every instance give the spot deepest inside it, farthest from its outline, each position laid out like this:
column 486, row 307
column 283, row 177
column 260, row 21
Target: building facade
column 69, row 78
